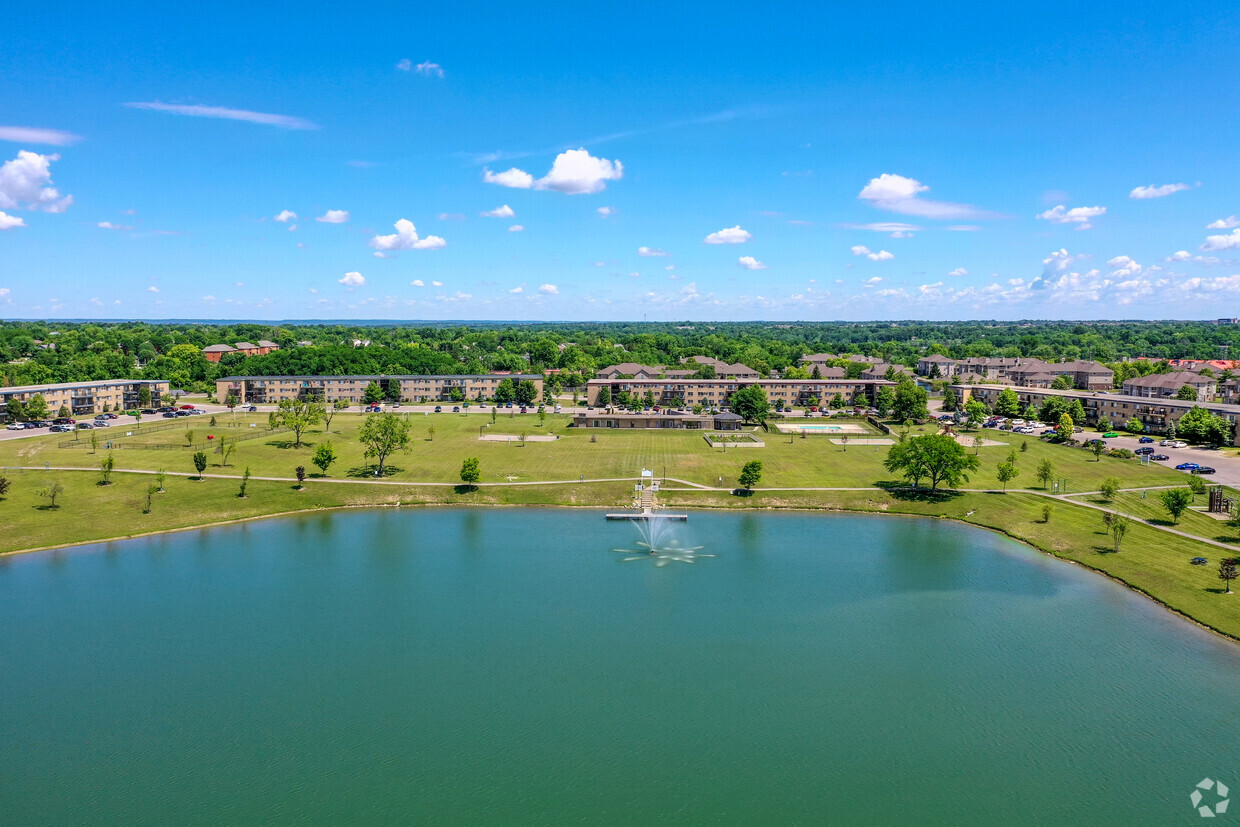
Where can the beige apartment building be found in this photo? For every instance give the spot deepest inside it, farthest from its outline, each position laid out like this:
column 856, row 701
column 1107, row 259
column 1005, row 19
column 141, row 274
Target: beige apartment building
column 1155, row 413
column 715, row 392
column 85, row 398
column 262, row 390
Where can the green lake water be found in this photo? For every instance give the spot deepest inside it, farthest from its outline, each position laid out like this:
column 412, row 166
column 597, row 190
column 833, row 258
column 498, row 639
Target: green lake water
column 506, row 666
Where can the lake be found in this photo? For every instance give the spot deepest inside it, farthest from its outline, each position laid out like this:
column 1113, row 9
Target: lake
column 508, row 665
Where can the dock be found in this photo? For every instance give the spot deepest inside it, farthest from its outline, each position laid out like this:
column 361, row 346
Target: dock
column 644, row 508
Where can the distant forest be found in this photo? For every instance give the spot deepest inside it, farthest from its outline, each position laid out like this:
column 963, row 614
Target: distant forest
column 40, row 352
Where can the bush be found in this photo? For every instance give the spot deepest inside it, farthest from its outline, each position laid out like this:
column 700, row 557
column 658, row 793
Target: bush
column 1122, row 453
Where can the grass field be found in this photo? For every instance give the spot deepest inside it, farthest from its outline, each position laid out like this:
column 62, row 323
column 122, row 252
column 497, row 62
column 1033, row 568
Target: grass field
column 1150, row 509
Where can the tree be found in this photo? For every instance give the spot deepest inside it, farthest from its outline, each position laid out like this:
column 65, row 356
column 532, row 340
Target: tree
column 36, row 407
column 1109, row 488
column 430, row 433
column 1134, row 426
column 1066, row 428
column 886, row 397
column 526, row 392
column 1046, row 513
column 231, row 401
column 604, row 396
column 1171, row 430
column 224, row 447
column 1062, row 383
column 144, row 396
column 1008, row 403
column 200, row 462
column 330, row 411
column 63, row 412
column 977, row 444
column 94, row 442
column 470, row 471
column 1198, row 425
column 1197, row 485
column 1187, row 393
column 836, row 403
column 977, row 411
column 324, row 456
column 105, row 470
column 383, row 435
column 50, row 492
column 245, row 482
column 189, row 437
column 910, row 402
column 160, row 476
column 300, row 471
column 151, row 491
column 1227, row 572
column 372, row 394
column 1006, row 473
column 751, row 404
column 751, row 474
column 938, row 457
column 15, row 409
column 949, row 399
column 4, row 486
column 505, row 392
column 297, row 415
column 1098, row 447
column 1176, row 501
column 1119, row 527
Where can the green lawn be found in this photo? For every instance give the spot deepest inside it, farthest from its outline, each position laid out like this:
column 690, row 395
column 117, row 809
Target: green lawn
column 1151, row 510
column 812, row 461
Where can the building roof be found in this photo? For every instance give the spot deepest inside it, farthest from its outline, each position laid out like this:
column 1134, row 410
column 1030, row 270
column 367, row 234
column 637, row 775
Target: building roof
column 218, row 349
column 246, row 346
column 265, row 343
column 727, row 416
column 1169, row 381
column 631, row 368
column 377, row 377
column 60, row 386
column 936, row 357
column 819, row 357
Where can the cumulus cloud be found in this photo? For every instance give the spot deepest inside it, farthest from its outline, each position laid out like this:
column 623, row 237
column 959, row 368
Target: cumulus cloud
column 606, row 212
column 1213, row 242
column 4, row 294
column 1228, row 223
column 1158, row 192
column 8, row 222
column 959, row 271
column 1181, row 255
column 862, row 250
column 651, row 251
column 731, row 235
column 1123, row 267
column 108, row 225
column 282, row 121
column 208, row 298
column 499, row 212
column 517, row 290
column 548, row 290
column 26, row 182
column 1080, row 216
column 152, row 289
column 516, row 228
column 417, row 283
column 575, row 172
column 286, row 216
column 406, row 238
column 334, row 217
column 896, row 193
column 352, row 279
column 870, row 282
column 1058, row 261
column 404, row 64
column 32, row 135
column 750, row 263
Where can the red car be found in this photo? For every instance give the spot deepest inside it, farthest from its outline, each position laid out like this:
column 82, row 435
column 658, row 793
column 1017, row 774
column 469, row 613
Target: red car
column 187, row 407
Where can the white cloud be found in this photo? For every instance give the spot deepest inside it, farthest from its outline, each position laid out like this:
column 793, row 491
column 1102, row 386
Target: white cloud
column 901, row 234
column 575, row 172
column 404, row 64
column 1182, row 255
column 334, row 217
column 282, row 121
column 1158, row 192
column 897, row 193
column 1220, row 284
column 27, row 180
column 285, row 216
column 750, row 263
column 1216, row 242
column 406, row 238
column 959, row 271
column 606, row 212
column 8, row 222
column 548, row 290
column 1057, row 262
column 353, row 279
column 418, row 283
column 425, row 68
column 1123, row 267
column 731, row 235
column 884, row 227
column 516, row 228
column 152, row 289
column 962, row 228
column 670, row 267
column 862, row 250
column 208, row 298
column 870, row 282
column 499, row 212
column 517, row 290
column 451, row 216
column 108, row 225
column 1081, row 216
column 32, row 135
column 436, row 284
column 1228, row 223
column 651, row 251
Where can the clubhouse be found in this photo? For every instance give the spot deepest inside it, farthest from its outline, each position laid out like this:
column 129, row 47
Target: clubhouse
column 263, row 390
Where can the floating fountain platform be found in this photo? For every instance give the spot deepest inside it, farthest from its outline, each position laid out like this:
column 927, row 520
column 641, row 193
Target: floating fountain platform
column 637, row 516
column 644, row 507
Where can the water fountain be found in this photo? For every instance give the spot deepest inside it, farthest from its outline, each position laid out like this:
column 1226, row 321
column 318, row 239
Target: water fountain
column 658, row 543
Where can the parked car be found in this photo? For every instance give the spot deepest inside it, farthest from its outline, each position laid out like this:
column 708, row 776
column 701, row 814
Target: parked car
column 1145, row 439
column 101, row 416
column 64, row 420
column 1092, row 441
column 170, row 415
column 102, row 423
column 85, row 426
column 438, row 409
column 1187, row 466
column 1143, row 450
column 15, row 426
column 112, row 416
column 1048, row 431
column 1110, row 435
column 395, row 404
column 61, row 429
column 252, row 409
column 456, row 409
column 1159, row 458
column 187, row 407
column 1204, row 469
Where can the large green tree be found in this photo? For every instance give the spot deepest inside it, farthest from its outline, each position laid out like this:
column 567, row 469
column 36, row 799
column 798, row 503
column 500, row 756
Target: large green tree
column 1176, row 501
column 1202, row 427
column 910, row 402
column 1008, row 403
column 938, row 458
column 382, row 435
column 297, row 415
column 751, row 474
column 750, row 402
column 470, row 471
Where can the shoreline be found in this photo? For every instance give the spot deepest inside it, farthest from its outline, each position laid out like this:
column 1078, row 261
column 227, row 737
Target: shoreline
column 834, row 508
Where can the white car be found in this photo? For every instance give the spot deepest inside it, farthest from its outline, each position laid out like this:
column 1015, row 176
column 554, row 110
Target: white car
column 1017, row 423
column 16, row 426
column 1177, row 444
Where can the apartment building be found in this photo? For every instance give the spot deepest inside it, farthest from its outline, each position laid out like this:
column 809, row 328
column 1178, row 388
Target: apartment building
column 1083, row 374
column 213, row 353
column 1169, row 384
column 723, row 370
column 85, row 398
column 263, row 390
column 715, row 392
column 1155, row 413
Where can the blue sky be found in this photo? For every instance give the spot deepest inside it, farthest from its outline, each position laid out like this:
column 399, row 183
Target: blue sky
column 658, row 161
